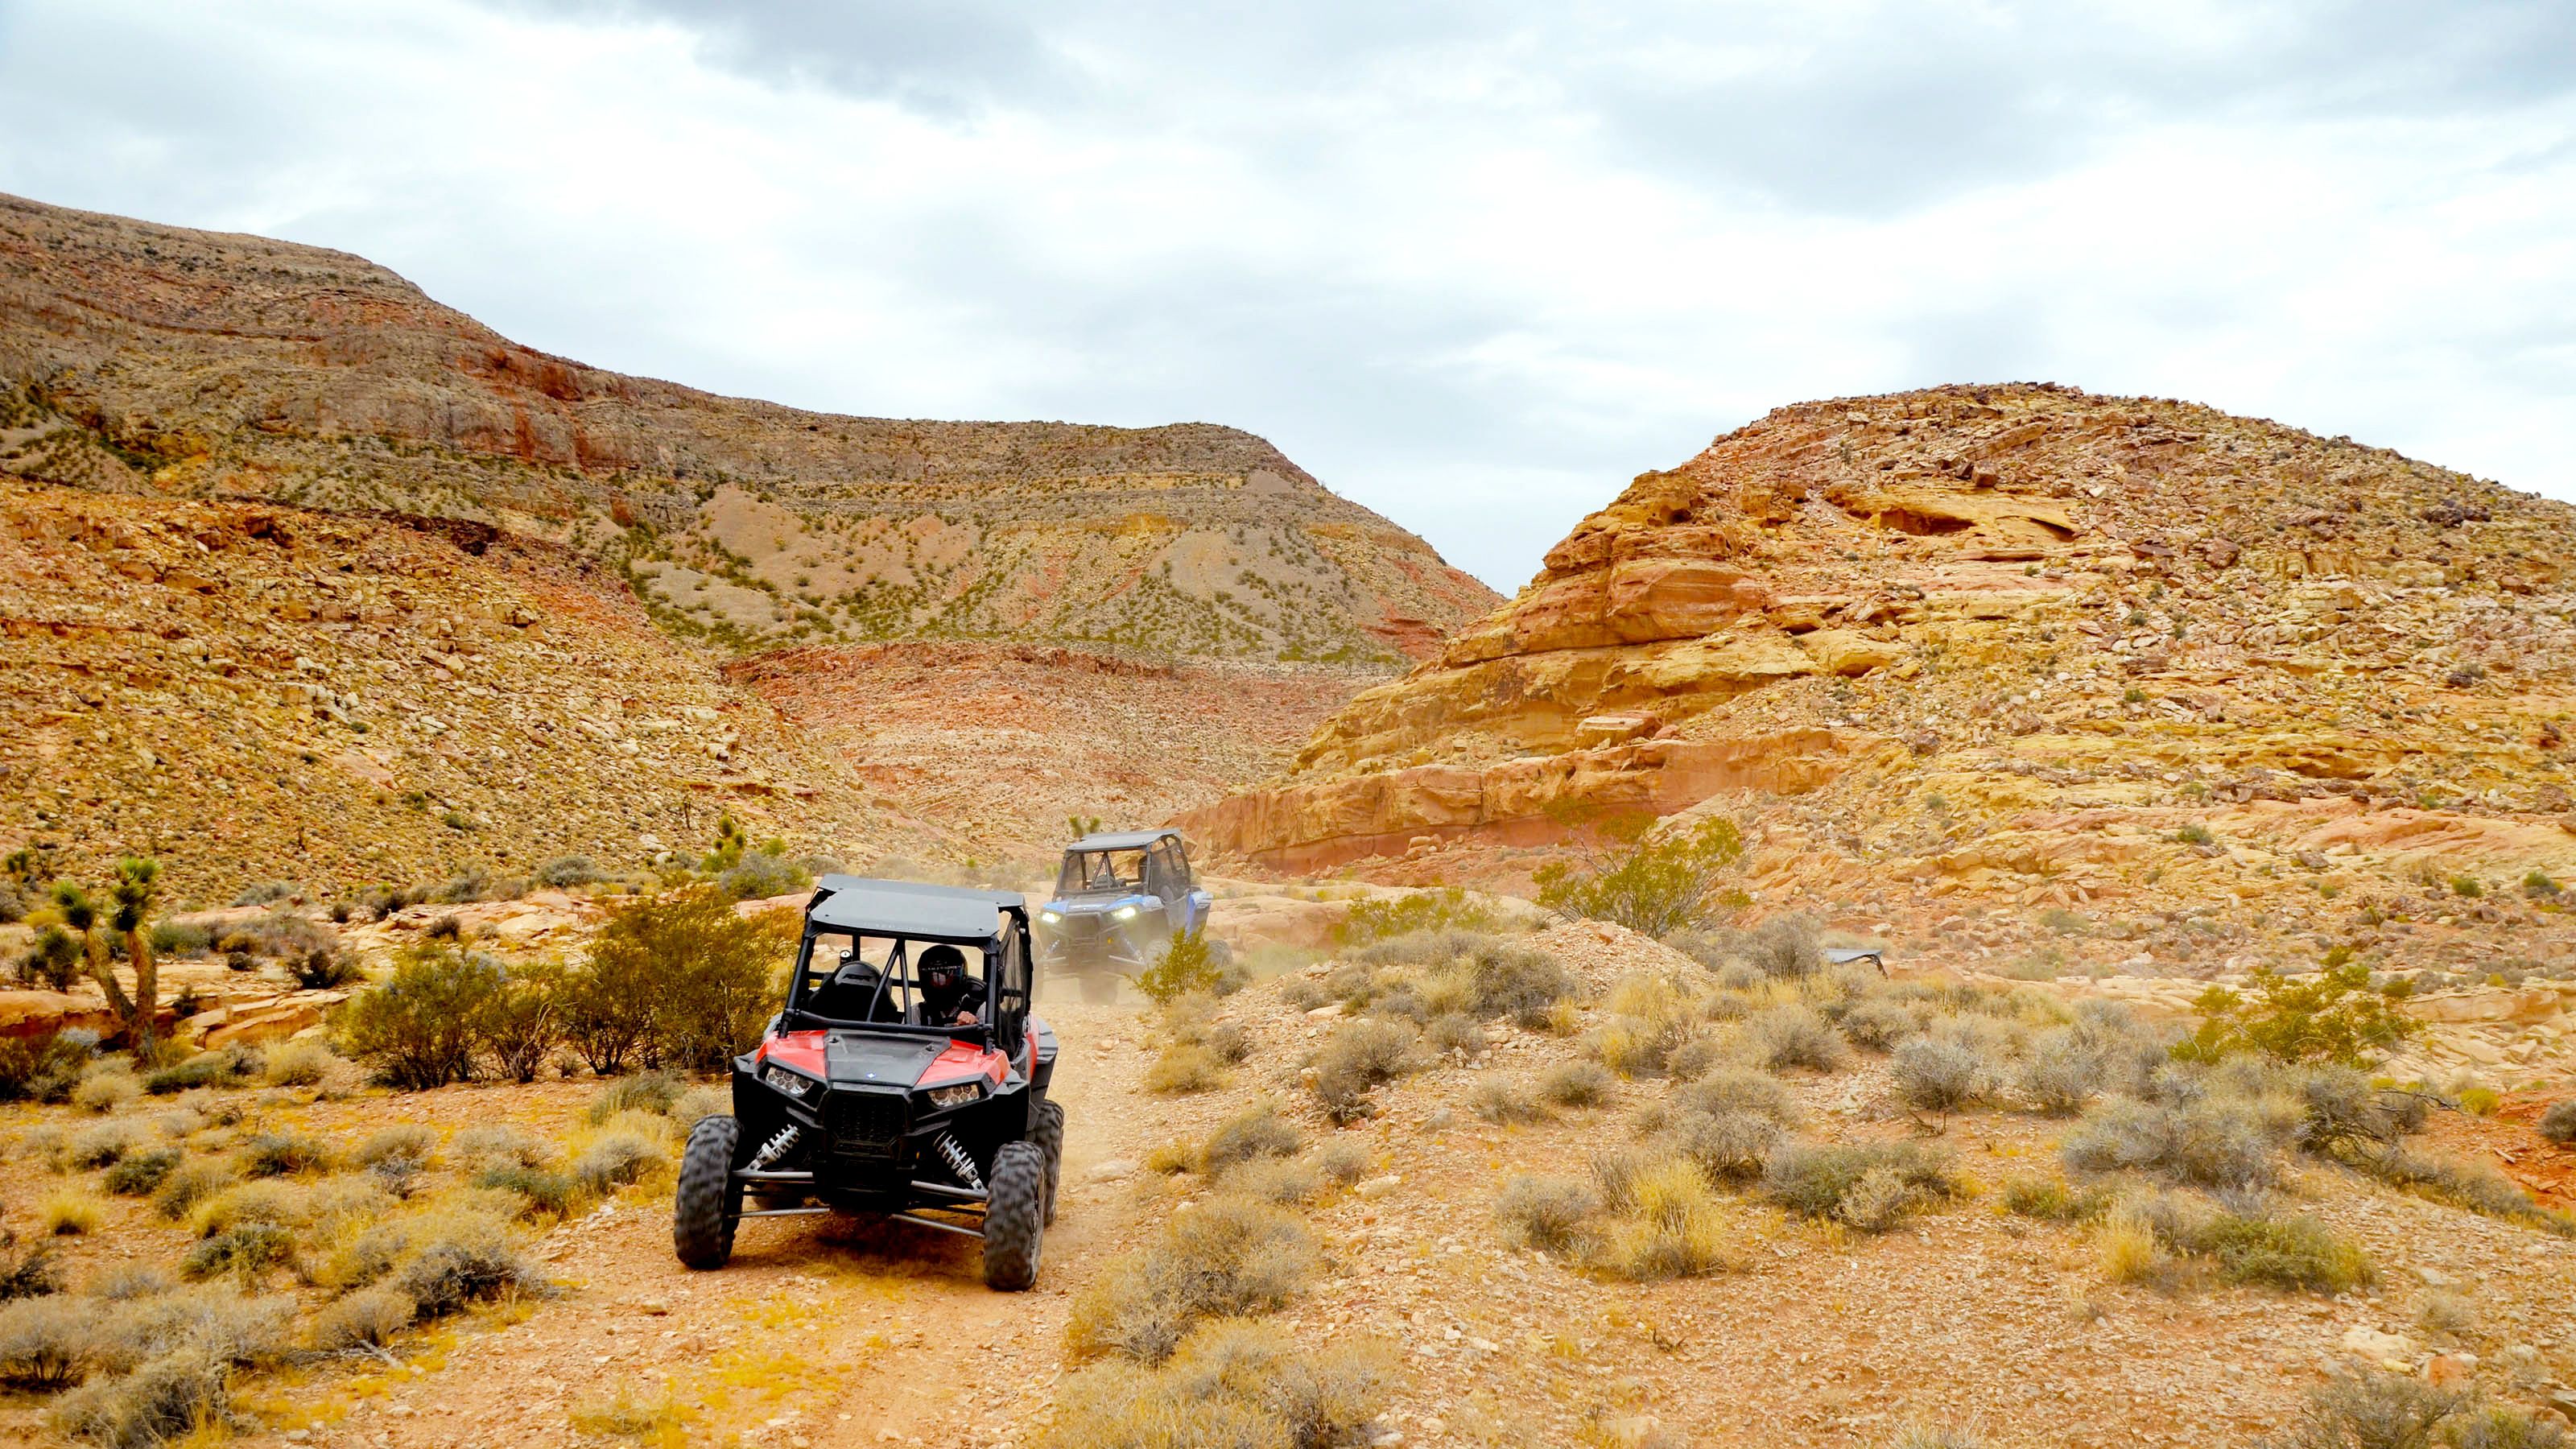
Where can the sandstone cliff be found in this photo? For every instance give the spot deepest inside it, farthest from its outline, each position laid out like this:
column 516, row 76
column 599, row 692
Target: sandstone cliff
column 2017, row 641
column 155, row 359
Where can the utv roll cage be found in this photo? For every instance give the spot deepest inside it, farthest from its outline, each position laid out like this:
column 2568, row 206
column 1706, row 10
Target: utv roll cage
column 905, row 914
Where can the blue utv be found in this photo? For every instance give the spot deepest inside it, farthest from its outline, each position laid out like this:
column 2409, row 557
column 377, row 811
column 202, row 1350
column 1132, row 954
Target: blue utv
column 1118, row 899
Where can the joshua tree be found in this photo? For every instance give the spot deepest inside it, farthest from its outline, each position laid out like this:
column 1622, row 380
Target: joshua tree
column 137, row 881
column 80, row 913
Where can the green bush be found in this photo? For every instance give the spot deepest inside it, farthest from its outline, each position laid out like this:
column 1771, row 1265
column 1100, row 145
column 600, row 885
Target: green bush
column 1385, row 917
column 42, row 1068
column 1186, row 967
column 420, row 1028
column 654, row 1092
column 678, row 979
column 140, row 1174
column 1651, row 883
column 219, row 1068
column 1224, row 1259
column 548, row 1193
column 2333, row 1016
column 1869, row 1186
column 1256, row 1132
column 53, row 960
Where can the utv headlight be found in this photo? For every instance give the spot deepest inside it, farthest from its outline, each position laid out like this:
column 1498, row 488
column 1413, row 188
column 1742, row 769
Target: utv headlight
column 799, row 1087
column 1050, row 917
column 1124, row 912
column 956, row 1096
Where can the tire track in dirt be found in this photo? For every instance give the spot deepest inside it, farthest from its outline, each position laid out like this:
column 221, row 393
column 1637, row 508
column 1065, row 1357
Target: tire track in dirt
column 818, row 1333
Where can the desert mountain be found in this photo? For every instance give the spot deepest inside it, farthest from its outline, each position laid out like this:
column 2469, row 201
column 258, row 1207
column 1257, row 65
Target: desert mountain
column 199, row 364
column 2012, row 646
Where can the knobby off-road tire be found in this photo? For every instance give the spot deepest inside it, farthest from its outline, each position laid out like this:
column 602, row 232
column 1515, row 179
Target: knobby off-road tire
column 1015, row 1217
column 1048, row 1133
column 708, row 1204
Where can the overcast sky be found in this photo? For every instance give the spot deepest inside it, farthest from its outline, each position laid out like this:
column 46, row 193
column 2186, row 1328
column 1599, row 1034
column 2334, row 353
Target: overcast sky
column 1473, row 264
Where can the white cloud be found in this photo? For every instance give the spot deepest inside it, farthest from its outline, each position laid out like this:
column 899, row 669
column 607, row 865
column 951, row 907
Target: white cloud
column 1474, row 265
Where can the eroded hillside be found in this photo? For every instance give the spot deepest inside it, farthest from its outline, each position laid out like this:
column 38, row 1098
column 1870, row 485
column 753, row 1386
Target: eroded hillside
column 2218, row 687
column 158, row 359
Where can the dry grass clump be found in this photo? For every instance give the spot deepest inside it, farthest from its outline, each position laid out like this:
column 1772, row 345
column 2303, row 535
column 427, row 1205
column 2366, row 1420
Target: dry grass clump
column 2372, row 1409
column 1878, row 1024
column 1228, row 1257
column 620, row 1155
column 299, row 1064
column 2240, row 1236
column 2558, row 1124
column 407, row 1142
column 654, row 1092
column 48, row 1342
column 1870, row 1186
column 189, row 1185
column 1665, row 1221
column 1575, row 1084
column 479, row 1147
column 120, row 1281
column 1185, row 1068
column 544, row 1192
column 67, row 1214
column 222, row 1067
column 108, row 1085
column 1931, row 1074
column 1231, row 1383
column 1504, row 1101
column 1285, row 1181
column 98, row 1146
column 460, row 1258
column 1343, row 1162
column 1792, row 1035
column 368, row 1316
column 696, row 1105
column 175, row 1396
column 1354, row 1060
column 2053, row 1200
column 282, row 1154
column 1457, row 1034
column 1467, row 971
column 2212, row 1142
column 1256, row 1132
column 1545, row 1213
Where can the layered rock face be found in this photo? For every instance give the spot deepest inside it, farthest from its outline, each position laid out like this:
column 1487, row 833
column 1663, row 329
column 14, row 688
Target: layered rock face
column 156, row 359
column 2015, row 640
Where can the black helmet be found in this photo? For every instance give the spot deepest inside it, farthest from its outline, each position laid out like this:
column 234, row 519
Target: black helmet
column 944, row 963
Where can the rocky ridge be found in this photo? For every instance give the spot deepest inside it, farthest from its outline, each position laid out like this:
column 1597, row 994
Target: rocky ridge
column 2015, row 648
column 155, row 359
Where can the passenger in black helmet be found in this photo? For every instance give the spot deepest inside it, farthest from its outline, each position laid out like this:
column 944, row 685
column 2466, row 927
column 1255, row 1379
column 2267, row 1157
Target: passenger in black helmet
column 949, row 997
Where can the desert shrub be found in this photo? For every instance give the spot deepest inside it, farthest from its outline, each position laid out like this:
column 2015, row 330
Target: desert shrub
column 47, row 1343
column 1226, row 1258
column 281, row 1154
column 321, row 968
column 2558, row 1124
column 42, row 1068
column 223, row 1067
column 1184, row 967
column 2370, row 1410
column 566, row 871
column 298, row 1064
column 546, row 1192
column 1792, row 1036
column 1785, row 948
column 1741, row 1090
column 1653, row 883
column 1478, row 972
column 1931, row 1075
column 1184, row 1068
column 1665, row 1221
column 264, row 893
column 1546, row 1213
column 1302, row 993
column 368, row 1316
column 1869, row 1186
column 1257, row 1131
column 52, row 961
column 656, row 1092
column 1727, row 1144
column 244, row 1203
column 1341, row 1161
column 165, row 1399
column 105, row 1088
column 99, row 1146
column 141, row 1173
column 461, row 1260
column 1575, row 1084
column 1501, row 1100
column 2060, row 1072
column 1650, row 1019
column 760, row 875
column 2208, row 1143
column 698, row 1104
column 2474, row 1186
column 2333, row 1016
column 1280, row 1180
column 1231, row 1383
column 617, row 1158
column 2052, row 1200
column 676, row 979
column 171, row 939
column 480, row 1146
column 1354, row 1060
column 1445, row 909
column 2498, row 1426
column 1456, row 1032
column 419, row 1028
column 2282, row 1252
column 1877, row 1025
column 247, row 1252
column 189, row 1186
column 119, row 1282
column 411, row 1142
column 28, row 1275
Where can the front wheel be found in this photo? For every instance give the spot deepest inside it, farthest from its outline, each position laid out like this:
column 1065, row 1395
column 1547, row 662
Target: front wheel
column 1015, row 1217
column 708, row 1205
column 1048, row 1133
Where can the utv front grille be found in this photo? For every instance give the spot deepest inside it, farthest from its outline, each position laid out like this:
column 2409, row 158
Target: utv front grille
column 864, row 1123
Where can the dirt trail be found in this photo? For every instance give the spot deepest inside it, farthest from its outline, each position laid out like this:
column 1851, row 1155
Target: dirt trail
column 812, row 1336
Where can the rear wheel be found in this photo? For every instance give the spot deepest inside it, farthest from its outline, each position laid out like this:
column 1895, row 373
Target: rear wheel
column 1015, row 1217
column 1048, row 1133
column 708, row 1204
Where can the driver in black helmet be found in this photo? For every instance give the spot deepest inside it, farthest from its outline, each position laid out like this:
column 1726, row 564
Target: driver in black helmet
column 949, row 997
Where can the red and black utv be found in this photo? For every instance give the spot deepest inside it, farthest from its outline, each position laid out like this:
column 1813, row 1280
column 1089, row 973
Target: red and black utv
column 905, row 1079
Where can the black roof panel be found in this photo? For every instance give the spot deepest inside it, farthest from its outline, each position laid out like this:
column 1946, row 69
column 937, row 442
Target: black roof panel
column 909, row 908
